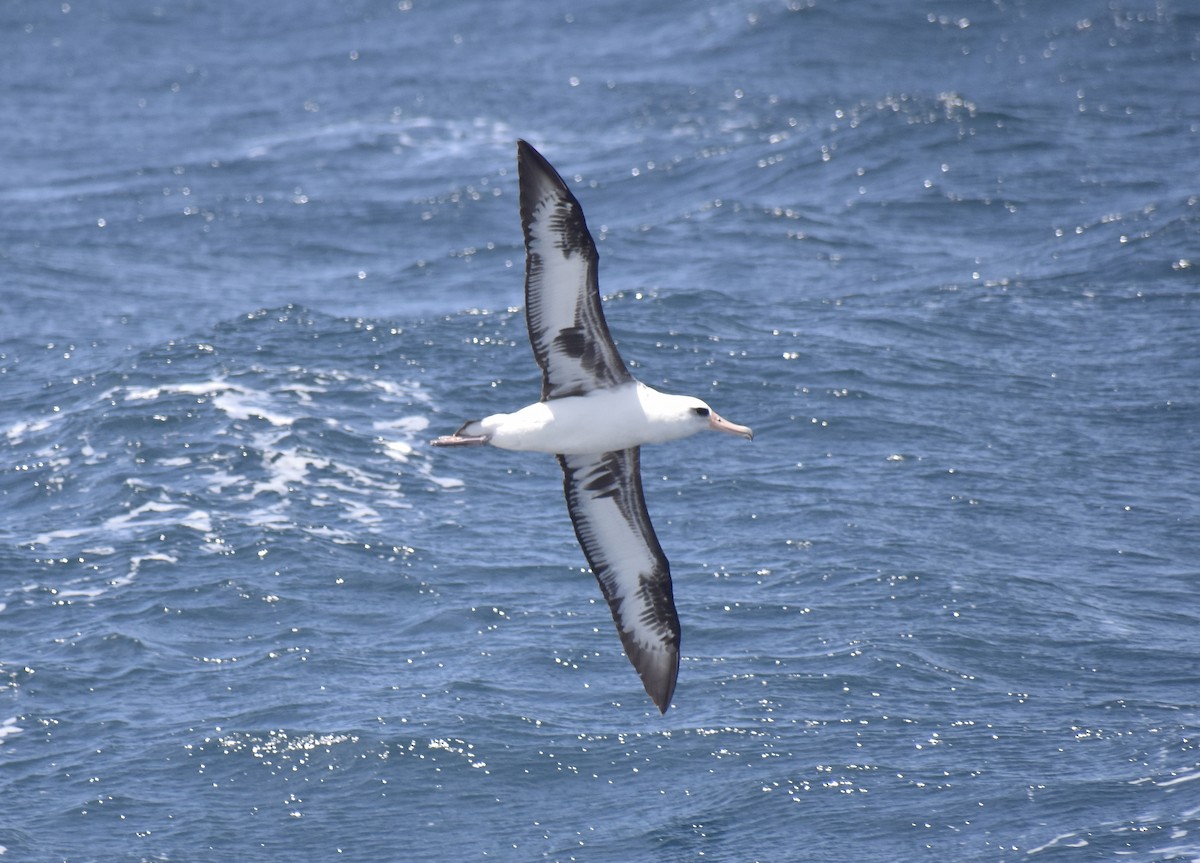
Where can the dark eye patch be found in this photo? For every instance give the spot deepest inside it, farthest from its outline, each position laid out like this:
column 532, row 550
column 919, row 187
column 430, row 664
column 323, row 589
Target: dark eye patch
column 700, row 412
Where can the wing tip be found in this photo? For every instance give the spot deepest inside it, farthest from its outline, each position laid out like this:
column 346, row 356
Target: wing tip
column 659, row 671
column 536, row 177
column 528, row 152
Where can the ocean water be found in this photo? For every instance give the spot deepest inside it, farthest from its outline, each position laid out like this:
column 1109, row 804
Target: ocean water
column 943, row 257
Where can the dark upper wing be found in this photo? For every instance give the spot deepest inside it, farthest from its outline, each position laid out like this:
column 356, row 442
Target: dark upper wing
column 562, row 299
column 604, row 496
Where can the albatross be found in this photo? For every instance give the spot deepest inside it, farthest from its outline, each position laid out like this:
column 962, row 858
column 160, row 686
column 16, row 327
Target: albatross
column 594, row 416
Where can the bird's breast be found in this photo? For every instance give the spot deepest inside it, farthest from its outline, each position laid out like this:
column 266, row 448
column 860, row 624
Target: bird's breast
column 601, row 421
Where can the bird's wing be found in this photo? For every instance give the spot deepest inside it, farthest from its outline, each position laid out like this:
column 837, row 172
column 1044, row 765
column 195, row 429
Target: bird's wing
column 604, row 497
column 562, row 299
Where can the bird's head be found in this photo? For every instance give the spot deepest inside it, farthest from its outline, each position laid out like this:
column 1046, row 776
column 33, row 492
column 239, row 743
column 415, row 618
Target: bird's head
column 703, row 417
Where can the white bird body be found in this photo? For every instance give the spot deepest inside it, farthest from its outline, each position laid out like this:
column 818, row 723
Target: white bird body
column 600, row 421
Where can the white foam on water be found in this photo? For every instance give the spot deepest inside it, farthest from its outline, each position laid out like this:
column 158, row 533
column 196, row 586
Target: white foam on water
column 400, row 392
column 219, row 480
column 303, row 391
column 1066, row 840
column 52, row 536
column 397, row 450
column 135, row 566
column 78, row 592
column 135, row 563
column 1184, row 777
column 198, row 520
column 243, row 404
column 17, row 431
column 236, row 401
column 285, row 468
column 90, row 456
column 119, row 522
column 445, row 482
column 143, row 395
column 411, row 424
column 327, row 532
column 273, row 517
column 198, row 388
column 280, row 473
column 360, row 512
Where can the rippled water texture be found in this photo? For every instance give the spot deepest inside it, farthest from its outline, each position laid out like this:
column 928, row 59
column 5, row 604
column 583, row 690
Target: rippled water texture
column 943, row 260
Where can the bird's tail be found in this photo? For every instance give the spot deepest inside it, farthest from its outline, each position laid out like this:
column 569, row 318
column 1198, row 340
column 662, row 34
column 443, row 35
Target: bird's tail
column 470, row 434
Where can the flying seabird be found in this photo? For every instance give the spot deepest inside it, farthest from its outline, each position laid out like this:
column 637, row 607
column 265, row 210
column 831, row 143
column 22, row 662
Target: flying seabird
column 594, row 416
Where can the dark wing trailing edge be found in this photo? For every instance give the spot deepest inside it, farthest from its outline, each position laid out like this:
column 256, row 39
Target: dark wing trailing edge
column 604, row 497
column 570, row 338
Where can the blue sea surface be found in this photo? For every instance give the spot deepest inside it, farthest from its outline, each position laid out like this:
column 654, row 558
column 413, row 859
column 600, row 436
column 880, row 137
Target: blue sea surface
column 943, row 257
